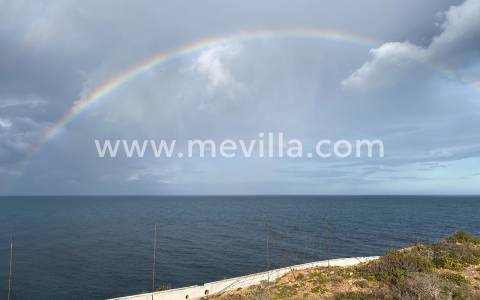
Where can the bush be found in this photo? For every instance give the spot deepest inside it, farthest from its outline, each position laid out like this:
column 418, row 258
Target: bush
column 424, row 286
column 455, row 256
column 164, row 287
column 454, row 278
column 261, row 295
column 395, row 265
column 285, row 291
column 361, row 283
column 317, row 277
column 463, row 238
column 353, row 296
column 346, row 272
column 318, row 289
column 447, row 262
column 418, row 286
column 463, row 294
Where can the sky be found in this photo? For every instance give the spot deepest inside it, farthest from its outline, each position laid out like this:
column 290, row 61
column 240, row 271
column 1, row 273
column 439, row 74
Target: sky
column 408, row 73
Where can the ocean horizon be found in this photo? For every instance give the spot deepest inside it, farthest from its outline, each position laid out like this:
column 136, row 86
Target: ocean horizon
column 96, row 247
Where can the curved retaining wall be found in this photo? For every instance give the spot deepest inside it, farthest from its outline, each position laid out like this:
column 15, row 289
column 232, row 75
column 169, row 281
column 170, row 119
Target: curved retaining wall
column 210, row 288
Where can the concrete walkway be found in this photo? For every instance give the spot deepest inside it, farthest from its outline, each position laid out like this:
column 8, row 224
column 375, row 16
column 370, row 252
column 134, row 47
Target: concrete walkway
column 210, row 288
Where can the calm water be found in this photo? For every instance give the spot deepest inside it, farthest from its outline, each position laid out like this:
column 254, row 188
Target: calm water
column 99, row 247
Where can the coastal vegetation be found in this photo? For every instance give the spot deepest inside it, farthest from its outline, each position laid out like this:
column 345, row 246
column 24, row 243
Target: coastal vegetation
column 447, row 269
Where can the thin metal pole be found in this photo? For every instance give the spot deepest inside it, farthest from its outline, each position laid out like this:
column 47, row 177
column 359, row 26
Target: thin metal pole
column 10, row 271
column 268, row 253
column 154, row 257
column 268, row 257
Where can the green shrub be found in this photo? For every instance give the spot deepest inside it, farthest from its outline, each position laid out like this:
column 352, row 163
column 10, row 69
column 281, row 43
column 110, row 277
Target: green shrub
column 318, row 289
column 361, row 283
column 463, row 238
column 164, row 287
column 317, row 277
column 353, row 296
column 454, row 278
column 447, row 262
column 370, row 277
column 346, row 272
column 261, row 295
column 395, row 265
column 461, row 294
column 285, row 291
column 455, row 256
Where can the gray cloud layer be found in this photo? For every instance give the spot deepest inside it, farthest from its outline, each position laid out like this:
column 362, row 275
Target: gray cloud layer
column 53, row 52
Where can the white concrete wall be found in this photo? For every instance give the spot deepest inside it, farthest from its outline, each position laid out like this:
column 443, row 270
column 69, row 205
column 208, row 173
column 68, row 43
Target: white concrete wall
column 198, row 291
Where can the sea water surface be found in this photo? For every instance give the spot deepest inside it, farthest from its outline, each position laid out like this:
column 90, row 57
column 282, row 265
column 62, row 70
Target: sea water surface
column 102, row 247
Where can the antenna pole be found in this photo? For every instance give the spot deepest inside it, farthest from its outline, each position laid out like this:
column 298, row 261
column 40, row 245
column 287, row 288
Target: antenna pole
column 10, row 270
column 154, row 256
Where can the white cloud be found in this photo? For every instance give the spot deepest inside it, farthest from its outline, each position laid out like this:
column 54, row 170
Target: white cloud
column 389, row 63
column 29, row 102
column 212, row 63
column 393, row 61
column 149, row 174
column 5, row 123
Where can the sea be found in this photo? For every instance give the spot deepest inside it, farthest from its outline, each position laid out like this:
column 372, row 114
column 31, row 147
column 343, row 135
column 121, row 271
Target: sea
column 102, row 247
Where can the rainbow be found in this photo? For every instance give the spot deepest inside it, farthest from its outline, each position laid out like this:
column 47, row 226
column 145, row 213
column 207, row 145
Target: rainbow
column 132, row 72
column 136, row 70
